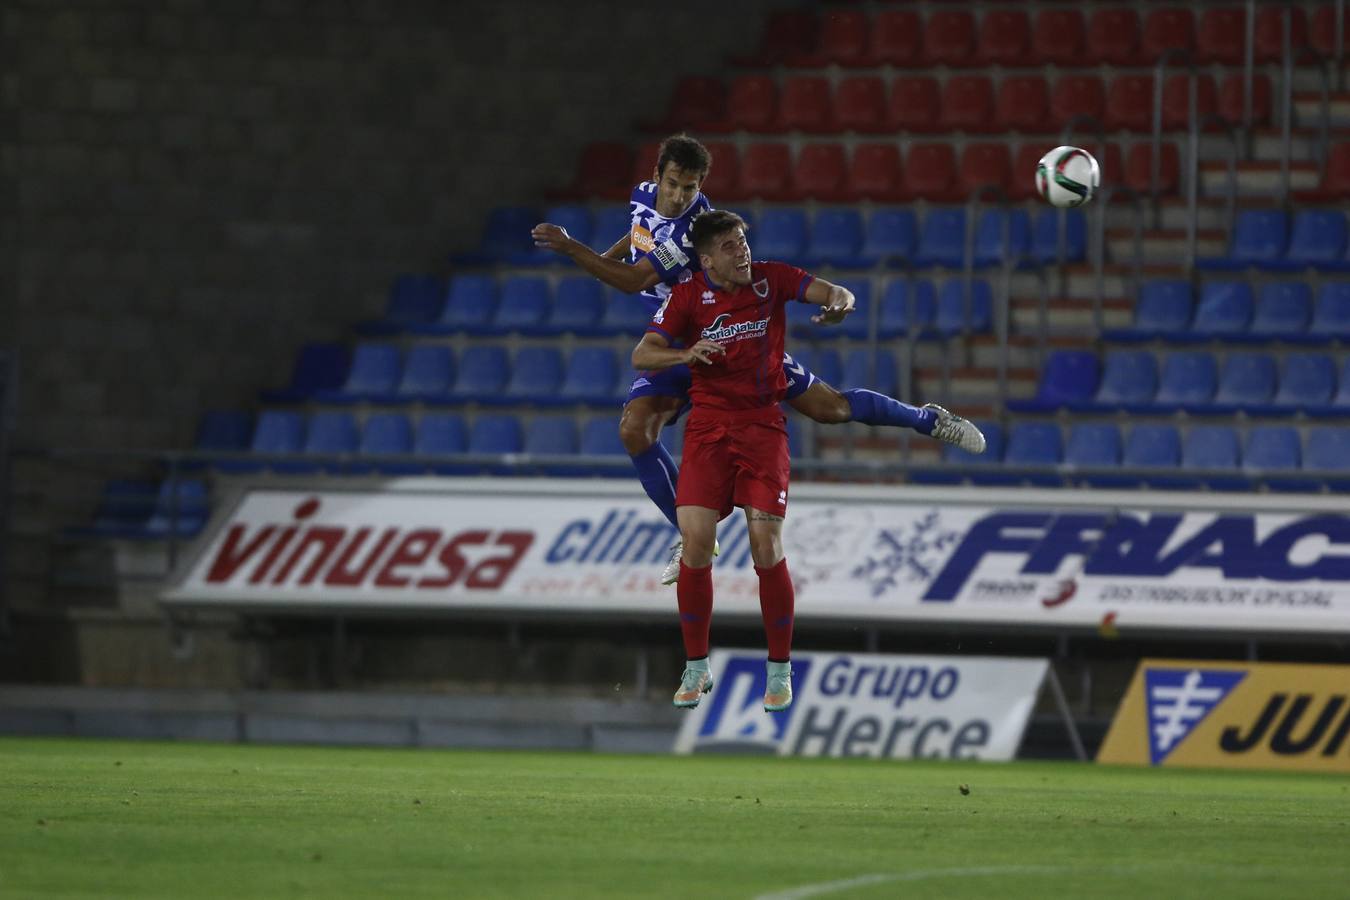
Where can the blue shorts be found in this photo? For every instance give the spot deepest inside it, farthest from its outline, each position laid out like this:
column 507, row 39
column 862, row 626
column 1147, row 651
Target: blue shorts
column 674, row 382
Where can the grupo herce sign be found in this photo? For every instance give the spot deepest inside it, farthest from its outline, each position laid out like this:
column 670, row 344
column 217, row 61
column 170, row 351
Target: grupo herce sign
column 1051, row 558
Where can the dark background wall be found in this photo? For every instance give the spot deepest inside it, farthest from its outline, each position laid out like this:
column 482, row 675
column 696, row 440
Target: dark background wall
column 199, row 187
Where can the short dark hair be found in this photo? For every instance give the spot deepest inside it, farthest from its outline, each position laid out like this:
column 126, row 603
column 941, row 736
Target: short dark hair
column 710, row 225
column 685, row 152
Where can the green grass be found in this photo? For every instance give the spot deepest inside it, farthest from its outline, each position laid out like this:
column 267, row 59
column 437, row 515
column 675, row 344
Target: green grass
column 120, row 819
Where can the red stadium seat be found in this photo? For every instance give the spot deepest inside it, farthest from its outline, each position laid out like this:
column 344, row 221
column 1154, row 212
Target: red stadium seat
column 845, row 39
column 896, row 38
column 967, row 104
column 1113, row 37
column 752, row 105
column 1230, row 98
column 723, row 183
column 788, row 34
column 1222, row 36
column 603, row 171
column 1269, row 37
column 1176, row 105
column 1059, row 37
column 875, row 174
column 985, row 164
column 860, row 105
column 1138, row 172
column 1077, row 95
column 1022, row 104
column 1323, row 36
column 1129, row 103
column 806, row 105
column 1171, row 28
column 1005, row 38
column 698, row 101
column 949, row 38
column 820, row 173
column 766, row 172
column 914, row 104
column 1336, row 181
column 930, row 173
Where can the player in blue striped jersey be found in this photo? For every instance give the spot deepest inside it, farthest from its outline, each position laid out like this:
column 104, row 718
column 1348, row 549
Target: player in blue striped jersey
column 655, row 255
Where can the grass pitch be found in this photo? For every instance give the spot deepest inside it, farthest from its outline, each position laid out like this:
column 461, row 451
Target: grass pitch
column 121, row 819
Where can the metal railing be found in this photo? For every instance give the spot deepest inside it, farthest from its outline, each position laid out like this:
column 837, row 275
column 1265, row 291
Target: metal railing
column 1291, row 55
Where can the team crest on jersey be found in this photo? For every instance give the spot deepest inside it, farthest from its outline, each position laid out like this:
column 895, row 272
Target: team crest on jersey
column 762, row 288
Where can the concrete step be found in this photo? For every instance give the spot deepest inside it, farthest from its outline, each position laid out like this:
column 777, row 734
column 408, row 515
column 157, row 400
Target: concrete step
column 972, row 384
column 1069, row 316
column 1256, row 178
column 1308, row 108
column 1163, row 244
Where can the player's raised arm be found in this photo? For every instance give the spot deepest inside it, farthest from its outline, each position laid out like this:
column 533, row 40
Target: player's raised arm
column 617, row 274
column 836, row 302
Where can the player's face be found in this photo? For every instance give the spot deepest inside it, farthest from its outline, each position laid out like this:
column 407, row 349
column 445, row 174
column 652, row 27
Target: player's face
column 729, row 260
column 676, row 189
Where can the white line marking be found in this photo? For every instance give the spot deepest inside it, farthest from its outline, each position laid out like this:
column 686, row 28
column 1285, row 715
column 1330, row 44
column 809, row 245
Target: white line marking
column 831, row 887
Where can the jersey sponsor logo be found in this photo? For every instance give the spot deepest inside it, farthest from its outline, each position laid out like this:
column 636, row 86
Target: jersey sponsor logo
column 641, row 238
column 709, row 298
column 669, row 255
column 762, row 287
column 722, row 331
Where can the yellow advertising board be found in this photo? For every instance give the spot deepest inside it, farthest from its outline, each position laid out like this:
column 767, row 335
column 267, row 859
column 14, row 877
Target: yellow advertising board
column 1233, row 715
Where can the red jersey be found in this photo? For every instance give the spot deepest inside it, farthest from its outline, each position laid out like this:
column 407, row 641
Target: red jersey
column 749, row 322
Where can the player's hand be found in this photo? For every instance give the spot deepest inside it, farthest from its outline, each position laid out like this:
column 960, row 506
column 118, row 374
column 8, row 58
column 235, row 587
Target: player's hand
column 840, row 305
column 551, row 237
column 704, row 351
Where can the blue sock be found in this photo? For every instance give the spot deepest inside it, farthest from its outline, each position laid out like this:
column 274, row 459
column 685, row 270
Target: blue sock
column 872, row 408
column 658, row 473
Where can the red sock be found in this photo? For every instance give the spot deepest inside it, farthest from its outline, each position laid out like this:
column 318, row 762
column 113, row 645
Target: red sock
column 694, row 593
column 776, row 601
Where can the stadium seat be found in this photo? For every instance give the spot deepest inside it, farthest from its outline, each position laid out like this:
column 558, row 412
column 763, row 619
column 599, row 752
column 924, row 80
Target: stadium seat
column 1093, row 445
column 781, row 234
column 844, row 40
column 181, row 508
column 875, row 174
column 1163, row 310
column 625, row 314
column 723, row 182
column 1336, row 177
column 483, row 371
column 592, row 374
column 1051, row 242
column 1139, row 172
column 961, row 311
column 602, row 172
column 329, row 434
column 943, row 239
column 613, row 223
column 806, row 105
column 1317, row 240
column 1035, row 444
column 600, row 437
column 866, row 369
column 698, row 101
column 836, row 239
column 1002, row 237
column 413, row 299
column 1129, row 381
column 578, row 307
column 1004, row 38
column 439, row 435
column 575, row 219
column 949, row 38
column 1307, row 381
column 386, row 434
column 1129, row 104
column 1340, row 401
column 553, row 436
column 1213, row 448
column 1059, row 37
column 766, row 172
column 788, row 35
column 967, row 104
column 1075, row 97
column 1328, row 450
column 1222, row 36
column 1246, row 380
column 470, row 304
column 1176, row 101
column 1168, row 28
column 930, row 173
column 124, row 507
column 860, row 105
column 523, row 308
column 505, row 234
column 985, row 165
column 1322, row 35
column 1259, row 238
column 536, row 375
column 906, row 305
column 1023, row 105
column 1223, row 311
column 1231, row 98
column 1331, row 317
column 1070, row 378
column 374, row 375
column 896, row 38
column 1152, row 447
column 856, row 325
column 1282, row 311
column 825, row 364
column 819, row 174
column 318, row 367
column 427, row 375
column 1113, row 36
column 223, row 431
column 914, row 104
column 892, row 236
column 1188, row 381
column 752, row 105
column 279, row 432
column 498, row 433
column 1274, row 448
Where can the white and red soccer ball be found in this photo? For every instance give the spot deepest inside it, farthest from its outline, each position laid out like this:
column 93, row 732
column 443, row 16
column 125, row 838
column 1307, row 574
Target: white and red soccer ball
column 1067, row 176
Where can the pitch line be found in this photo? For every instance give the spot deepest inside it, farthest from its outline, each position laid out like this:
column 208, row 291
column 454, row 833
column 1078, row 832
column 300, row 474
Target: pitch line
column 831, row 887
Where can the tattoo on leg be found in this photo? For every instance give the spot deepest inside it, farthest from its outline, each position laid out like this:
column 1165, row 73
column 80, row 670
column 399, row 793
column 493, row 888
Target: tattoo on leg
column 757, row 516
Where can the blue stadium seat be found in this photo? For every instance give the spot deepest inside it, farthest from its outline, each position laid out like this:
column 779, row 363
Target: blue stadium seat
column 836, row 239
column 470, row 303
column 181, row 509
column 1129, row 381
column 960, row 311
column 991, row 248
column 506, row 234
column 1245, row 380
column 330, row 434
column 1273, row 449
column 855, row 326
column 1094, row 445
column 1070, row 377
column 1328, row 450
column 1259, row 239
column 318, row 367
column 428, row 373
column 439, row 434
column 498, row 433
column 1317, row 240
column 1213, row 447
column 576, row 219
column 124, row 508
column 413, row 300
column 625, row 314
column 1308, row 381
column 600, row 437
column 578, row 307
column 1162, row 310
column 536, row 376
column 483, row 371
column 278, row 432
column 1339, row 404
column 1035, row 444
column 386, row 434
column 892, row 237
column 1152, row 446
column 1188, row 380
column 374, row 375
column 823, row 363
column 612, row 224
column 223, row 431
column 1283, row 311
column 874, row 371
column 1331, row 317
column 942, row 242
column 524, row 306
column 907, row 304
column 799, row 322
column 553, row 436
column 1224, row 310
column 1046, row 235
column 781, row 234
column 591, row 375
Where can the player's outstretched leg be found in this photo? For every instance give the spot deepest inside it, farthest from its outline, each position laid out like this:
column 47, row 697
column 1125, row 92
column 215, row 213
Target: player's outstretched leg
column 828, row 406
column 694, row 594
column 953, row 429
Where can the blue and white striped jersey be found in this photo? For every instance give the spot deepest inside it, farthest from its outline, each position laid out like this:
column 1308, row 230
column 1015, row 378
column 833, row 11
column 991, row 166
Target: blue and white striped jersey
column 663, row 241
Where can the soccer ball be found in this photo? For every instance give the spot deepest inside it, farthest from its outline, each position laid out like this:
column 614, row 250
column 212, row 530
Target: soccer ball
column 1067, row 176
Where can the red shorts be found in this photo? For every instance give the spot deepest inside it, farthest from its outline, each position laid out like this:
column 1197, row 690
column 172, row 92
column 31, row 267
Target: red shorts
column 735, row 459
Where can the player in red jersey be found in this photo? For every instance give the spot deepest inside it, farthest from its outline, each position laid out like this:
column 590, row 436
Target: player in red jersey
column 729, row 322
